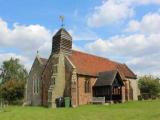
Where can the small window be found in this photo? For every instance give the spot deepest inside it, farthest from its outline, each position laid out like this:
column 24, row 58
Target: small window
column 87, row 85
column 37, row 90
column 35, row 86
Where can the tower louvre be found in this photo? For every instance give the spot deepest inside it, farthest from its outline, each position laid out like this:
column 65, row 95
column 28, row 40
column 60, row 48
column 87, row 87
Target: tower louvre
column 62, row 42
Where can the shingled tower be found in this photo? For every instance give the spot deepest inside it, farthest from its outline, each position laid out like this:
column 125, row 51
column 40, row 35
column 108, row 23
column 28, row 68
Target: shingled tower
column 62, row 42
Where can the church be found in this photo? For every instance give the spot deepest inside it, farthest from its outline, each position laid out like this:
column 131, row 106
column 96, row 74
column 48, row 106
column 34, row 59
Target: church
column 77, row 75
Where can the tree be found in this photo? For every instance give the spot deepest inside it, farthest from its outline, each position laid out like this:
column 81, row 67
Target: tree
column 13, row 70
column 12, row 90
column 13, row 77
column 149, row 85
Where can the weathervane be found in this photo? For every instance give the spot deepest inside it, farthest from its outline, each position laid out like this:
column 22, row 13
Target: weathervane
column 62, row 20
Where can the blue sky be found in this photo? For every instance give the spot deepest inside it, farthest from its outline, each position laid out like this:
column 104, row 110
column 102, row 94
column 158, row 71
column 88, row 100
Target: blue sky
column 123, row 30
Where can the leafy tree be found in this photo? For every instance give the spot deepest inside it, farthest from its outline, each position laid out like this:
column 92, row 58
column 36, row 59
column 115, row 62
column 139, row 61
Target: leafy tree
column 149, row 85
column 12, row 90
column 13, row 77
column 13, row 70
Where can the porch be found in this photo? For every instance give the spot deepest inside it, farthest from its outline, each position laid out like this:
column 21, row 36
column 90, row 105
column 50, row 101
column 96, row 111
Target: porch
column 109, row 85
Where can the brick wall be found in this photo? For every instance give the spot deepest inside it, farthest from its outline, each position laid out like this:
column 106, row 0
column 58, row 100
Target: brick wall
column 84, row 98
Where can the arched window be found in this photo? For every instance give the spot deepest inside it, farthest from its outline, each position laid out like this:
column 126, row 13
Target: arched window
column 87, row 85
column 36, row 86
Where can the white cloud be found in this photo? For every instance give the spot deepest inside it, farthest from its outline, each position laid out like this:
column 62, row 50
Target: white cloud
column 133, row 45
column 113, row 11
column 84, row 34
column 23, row 59
column 133, row 26
column 148, row 24
column 141, row 52
column 140, row 2
column 146, row 64
column 26, row 38
column 109, row 12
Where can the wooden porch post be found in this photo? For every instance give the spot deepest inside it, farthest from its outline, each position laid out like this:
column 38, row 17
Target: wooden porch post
column 123, row 94
column 111, row 93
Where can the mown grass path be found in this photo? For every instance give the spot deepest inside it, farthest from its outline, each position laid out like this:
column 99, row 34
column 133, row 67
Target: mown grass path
column 140, row 110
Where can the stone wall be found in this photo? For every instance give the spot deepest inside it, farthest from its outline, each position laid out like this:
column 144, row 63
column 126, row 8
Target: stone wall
column 53, row 79
column 32, row 98
column 71, row 81
column 74, row 89
column 59, row 75
column 133, row 89
column 126, row 82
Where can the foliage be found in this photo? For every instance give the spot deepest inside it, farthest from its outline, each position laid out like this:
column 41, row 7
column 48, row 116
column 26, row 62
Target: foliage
column 12, row 90
column 140, row 110
column 13, row 77
column 149, row 85
column 13, row 70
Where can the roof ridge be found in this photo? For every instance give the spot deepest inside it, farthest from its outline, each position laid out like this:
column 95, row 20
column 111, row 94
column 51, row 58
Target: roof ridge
column 130, row 69
column 98, row 56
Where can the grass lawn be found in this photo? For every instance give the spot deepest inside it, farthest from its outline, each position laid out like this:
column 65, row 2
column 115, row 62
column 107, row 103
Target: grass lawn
column 140, row 110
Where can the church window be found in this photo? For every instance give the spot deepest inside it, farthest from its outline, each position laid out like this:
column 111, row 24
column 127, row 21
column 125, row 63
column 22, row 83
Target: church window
column 35, row 86
column 87, row 85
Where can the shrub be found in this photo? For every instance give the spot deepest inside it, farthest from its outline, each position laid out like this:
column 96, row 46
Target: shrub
column 12, row 90
column 13, row 76
column 149, row 87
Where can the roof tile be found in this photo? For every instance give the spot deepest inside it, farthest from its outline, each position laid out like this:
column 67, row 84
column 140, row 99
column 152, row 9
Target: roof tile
column 88, row 64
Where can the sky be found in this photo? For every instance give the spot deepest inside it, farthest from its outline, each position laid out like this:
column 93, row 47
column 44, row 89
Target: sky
column 127, row 31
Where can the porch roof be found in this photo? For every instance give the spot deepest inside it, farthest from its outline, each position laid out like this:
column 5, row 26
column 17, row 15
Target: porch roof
column 107, row 78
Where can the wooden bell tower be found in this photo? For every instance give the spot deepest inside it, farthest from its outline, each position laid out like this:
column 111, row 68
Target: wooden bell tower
column 62, row 41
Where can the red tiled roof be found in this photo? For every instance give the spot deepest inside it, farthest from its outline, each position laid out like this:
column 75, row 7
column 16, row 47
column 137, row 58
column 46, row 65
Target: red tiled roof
column 127, row 72
column 88, row 64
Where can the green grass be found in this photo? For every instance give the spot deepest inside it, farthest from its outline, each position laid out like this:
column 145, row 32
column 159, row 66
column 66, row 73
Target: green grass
column 140, row 110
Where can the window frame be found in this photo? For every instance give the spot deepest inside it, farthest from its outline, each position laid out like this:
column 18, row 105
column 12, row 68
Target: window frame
column 36, row 86
column 87, row 85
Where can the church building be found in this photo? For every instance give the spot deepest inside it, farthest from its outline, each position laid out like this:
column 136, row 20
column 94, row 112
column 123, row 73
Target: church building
column 77, row 75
